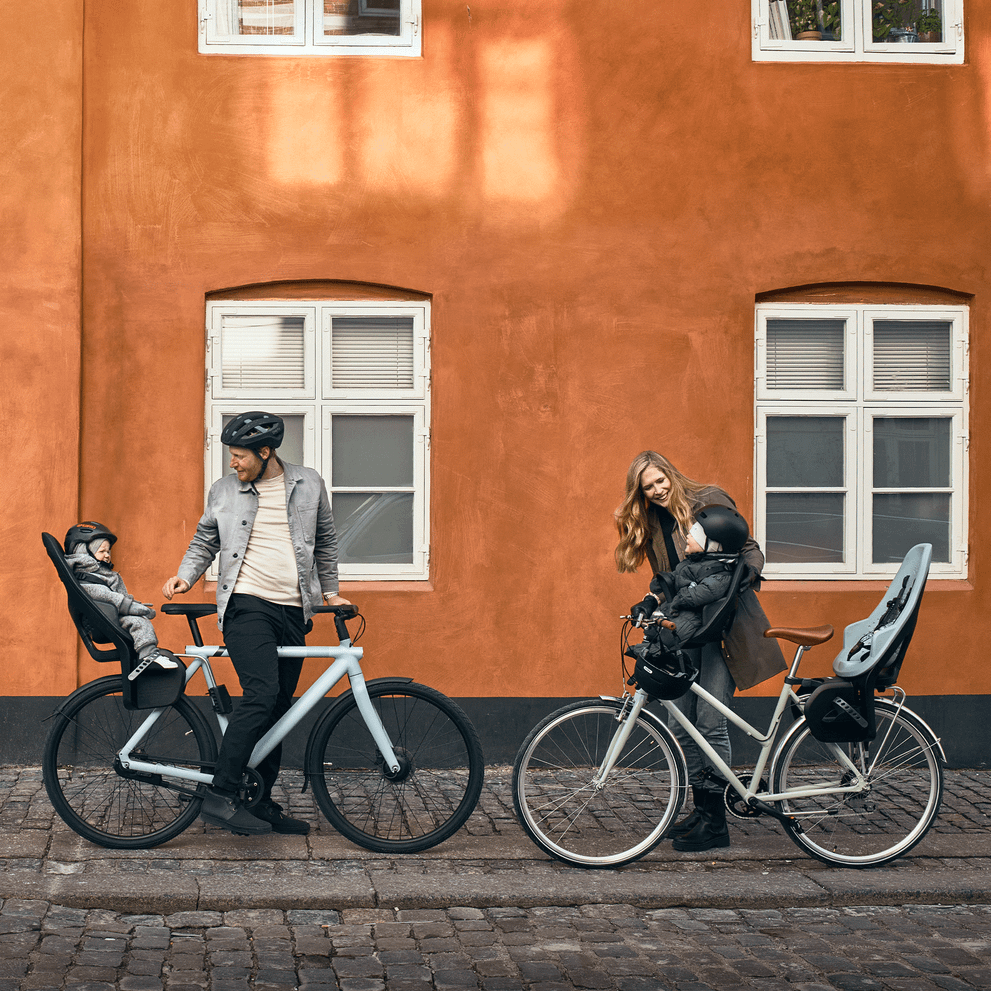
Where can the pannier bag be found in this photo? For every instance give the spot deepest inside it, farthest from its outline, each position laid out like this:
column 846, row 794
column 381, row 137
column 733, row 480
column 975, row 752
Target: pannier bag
column 839, row 711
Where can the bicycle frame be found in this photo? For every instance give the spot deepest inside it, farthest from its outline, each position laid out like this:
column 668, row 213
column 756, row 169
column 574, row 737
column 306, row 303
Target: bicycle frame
column 346, row 661
column 752, row 796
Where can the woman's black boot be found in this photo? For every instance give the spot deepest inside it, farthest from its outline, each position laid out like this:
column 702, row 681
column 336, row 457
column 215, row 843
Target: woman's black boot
column 686, row 825
column 710, row 832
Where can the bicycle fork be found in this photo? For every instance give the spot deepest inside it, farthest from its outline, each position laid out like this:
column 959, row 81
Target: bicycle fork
column 627, row 718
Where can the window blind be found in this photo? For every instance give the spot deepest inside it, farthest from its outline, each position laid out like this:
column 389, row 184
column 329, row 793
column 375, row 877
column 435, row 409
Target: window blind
column 805, row 354
column 912, row 356
column 372, row 353
column 262, row 352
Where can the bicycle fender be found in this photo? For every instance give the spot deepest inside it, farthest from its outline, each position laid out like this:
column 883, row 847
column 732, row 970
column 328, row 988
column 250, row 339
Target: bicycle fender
column 343, row 699
column 107, row 679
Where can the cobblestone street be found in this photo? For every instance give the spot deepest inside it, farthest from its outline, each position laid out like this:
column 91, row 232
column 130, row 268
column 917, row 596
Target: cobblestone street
column 45, row 946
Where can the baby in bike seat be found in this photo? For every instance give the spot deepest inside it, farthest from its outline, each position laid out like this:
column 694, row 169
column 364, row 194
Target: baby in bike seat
column 703, row 578
column 87, row 548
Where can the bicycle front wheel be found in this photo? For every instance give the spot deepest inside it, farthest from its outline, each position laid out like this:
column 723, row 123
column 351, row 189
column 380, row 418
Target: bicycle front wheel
column 439, row 780
column 97, row 798
column 574, row 817
column 904, row 770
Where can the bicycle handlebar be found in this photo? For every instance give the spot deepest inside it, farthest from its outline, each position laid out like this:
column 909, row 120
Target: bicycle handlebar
column 194, row 610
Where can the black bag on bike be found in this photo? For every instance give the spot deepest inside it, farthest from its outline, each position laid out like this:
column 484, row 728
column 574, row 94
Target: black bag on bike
column 839, row 711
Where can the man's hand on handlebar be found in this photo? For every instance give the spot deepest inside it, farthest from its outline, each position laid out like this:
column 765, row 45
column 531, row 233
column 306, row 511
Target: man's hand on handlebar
column 336, row 600
column 173, row 585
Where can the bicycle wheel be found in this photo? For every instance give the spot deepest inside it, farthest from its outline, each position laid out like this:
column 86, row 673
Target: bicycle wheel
column 904, row 768
column 438, row 784
column 98, row 799
column 567, row 814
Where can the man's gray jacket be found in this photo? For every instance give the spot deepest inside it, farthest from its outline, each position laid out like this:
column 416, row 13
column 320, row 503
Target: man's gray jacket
column 225, row 528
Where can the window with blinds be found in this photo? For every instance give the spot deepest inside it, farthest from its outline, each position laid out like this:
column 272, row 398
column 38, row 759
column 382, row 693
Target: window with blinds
column 861, row 429
column 351, row 381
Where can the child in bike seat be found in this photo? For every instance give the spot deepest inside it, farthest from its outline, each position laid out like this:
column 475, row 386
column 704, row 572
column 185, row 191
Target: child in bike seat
column 87, row 548
column 702, row 578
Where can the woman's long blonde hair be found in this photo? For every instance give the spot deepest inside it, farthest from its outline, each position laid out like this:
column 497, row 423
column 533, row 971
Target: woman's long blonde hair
column 632, row 517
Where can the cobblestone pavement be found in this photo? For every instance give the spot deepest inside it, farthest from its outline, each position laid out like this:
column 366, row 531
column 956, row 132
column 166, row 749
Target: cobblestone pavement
column 44, row 946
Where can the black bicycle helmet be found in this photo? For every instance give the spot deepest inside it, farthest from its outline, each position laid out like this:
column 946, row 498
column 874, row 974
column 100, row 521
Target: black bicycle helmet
column 724, row 525
column 86, row 533
column 254, row 430
column 663, row 674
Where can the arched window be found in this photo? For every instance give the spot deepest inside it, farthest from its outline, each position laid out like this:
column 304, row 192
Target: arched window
column 861, row 430
column 348, row 370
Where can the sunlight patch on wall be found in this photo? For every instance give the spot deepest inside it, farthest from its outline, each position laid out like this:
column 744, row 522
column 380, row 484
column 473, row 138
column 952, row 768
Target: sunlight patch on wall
column 408, row 135
column 304, row 141
column 519, row 160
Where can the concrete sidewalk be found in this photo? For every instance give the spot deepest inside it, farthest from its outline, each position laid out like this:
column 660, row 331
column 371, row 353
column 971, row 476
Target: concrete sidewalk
column 489, row 863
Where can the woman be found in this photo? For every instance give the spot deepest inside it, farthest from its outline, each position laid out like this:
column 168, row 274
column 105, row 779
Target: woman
column 653, row 523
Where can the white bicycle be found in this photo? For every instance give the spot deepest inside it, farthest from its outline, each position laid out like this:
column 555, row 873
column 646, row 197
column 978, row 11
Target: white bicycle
column 856, row 780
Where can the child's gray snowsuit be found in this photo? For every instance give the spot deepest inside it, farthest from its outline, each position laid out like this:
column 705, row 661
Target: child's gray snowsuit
column 103, row 584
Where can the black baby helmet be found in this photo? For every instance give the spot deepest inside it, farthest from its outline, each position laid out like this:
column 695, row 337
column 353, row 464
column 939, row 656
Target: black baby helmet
column 85, row 533
column 724, row 525
column 254, row 430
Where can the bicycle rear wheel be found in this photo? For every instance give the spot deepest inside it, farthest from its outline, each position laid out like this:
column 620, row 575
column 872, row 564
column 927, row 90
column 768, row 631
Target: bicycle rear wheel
column 438, row 784
column 97, row 798
column 904, row 769
column 568, row 815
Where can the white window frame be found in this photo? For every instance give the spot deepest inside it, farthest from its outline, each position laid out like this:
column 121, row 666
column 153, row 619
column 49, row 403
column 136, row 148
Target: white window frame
column 316, row 404
column 859, row 405
column 307, row 39
column 858, row 44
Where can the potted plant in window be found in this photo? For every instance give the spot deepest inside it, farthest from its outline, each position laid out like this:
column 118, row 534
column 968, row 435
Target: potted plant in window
column 893, row 20
column 930, row 26
column 831, row 23
column 804, row 18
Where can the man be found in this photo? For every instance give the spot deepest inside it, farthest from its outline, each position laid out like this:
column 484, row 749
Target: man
column 272, row 526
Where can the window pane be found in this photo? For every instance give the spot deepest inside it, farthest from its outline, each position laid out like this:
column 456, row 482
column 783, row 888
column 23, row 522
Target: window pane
column 373, row 528
column 805, row 20
column 262, row 352
column 805, row 451
column 360, row 17
column 912, row 356
column 805, row 354
column 291, row 448
column 372, row 353
column 372, row 451
column 902, row 521
column 265, row 16
column 911, row 452
column 805, row 528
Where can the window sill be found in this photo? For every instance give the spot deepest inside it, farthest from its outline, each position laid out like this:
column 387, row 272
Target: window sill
column 777, row 585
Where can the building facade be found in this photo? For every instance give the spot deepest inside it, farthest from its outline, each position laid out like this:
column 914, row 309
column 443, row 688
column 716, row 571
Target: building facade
column 480, row 256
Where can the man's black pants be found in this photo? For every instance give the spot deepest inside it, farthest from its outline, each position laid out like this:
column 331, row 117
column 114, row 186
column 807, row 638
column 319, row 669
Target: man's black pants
column 253, row 629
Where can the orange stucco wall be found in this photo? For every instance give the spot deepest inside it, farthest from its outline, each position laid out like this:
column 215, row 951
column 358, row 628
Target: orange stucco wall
column 591, row 196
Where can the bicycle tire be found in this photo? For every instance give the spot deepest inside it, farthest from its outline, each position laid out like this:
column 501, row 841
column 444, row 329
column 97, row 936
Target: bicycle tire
column 437, row 789
column 874, row 828
column 563, row 811
column 100, row 803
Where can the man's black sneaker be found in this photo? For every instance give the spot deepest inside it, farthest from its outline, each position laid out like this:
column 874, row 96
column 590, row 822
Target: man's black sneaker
column 271, row 812
column 228, row 813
